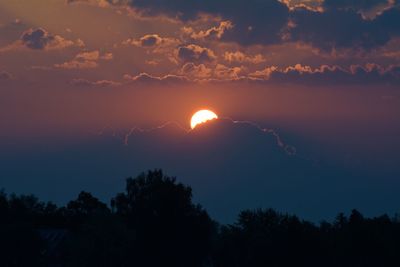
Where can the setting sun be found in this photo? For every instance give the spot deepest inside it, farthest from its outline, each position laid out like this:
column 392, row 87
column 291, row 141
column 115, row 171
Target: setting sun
column 202, row 116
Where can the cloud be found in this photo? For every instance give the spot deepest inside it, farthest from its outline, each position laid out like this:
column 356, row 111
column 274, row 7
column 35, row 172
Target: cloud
column 153, row 62
column 254, row 21
column 356, row 4
column 224, row 72
column 40, row 39
column 100, row 3
column 149, row 40
column 394, row 70
column 344, row 29
column 107, row 56
column 230, row 165
column 264, row 73
column 330, row 75
column 219, row 125
column 214, row 32
column 150, row 79
column 240, row 57
column 327, row 75
column 4, row 76
column 85, row 60
column 329, row 25
column 89, row 56
column 100, row 83
column 313, row 5
column 368, row 8
column 195, row 53
column 215, row 148
column 193, row 71
column 154, row 43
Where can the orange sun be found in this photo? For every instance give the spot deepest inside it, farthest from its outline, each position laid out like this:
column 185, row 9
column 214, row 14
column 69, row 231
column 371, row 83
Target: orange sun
column 202, row 116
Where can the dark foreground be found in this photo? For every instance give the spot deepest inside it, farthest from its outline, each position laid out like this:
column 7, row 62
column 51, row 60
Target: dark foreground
column 155, row 223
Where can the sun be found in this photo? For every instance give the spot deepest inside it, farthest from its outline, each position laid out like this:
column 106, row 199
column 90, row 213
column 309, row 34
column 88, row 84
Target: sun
column 202, row 116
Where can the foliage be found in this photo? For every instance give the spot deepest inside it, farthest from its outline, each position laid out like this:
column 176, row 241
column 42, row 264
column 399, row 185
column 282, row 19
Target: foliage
column 155, row 223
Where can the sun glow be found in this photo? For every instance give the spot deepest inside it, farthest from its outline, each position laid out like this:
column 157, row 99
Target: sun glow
column 202, row 116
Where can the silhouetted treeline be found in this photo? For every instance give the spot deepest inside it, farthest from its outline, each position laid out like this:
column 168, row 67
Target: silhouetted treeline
column 155, row 223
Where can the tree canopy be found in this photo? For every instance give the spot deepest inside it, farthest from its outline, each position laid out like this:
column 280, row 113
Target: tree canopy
column 154, row 222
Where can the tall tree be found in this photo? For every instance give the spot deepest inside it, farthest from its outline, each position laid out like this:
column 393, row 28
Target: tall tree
column 165, row 221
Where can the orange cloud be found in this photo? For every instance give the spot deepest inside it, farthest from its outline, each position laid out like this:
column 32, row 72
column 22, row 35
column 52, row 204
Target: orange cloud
column 107, row 56
column 85, row 60
column 195, row 53
column 243, row 58
column 263, row 74
column 154, row 42
column 196, row 71
column 312, row 5
column 224, row 72
column 147, row 78
column 214, row 32
column 100, row 3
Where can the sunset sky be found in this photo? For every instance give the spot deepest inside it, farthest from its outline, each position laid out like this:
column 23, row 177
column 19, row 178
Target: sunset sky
column 307, row 93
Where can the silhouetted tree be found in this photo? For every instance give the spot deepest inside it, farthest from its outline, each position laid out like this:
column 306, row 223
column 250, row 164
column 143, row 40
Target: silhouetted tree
column 267, row 238
column 100, row 241
column 20, row 244
column 86, row 205
column 155, row 223
column 165, row 221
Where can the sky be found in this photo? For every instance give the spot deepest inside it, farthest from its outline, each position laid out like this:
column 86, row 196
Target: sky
column 307, row 94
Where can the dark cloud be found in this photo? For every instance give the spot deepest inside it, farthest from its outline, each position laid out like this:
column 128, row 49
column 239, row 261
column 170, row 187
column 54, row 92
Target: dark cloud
column 254, row 21
column 330, row 75
column 357, row 5
column 154, row 43
column 195, row 53
column 40, row 39
column 211, row 157
column 326, row 75
column 231, row 166
column 36, row 39
column 389, row 21
column 394, row 70
column 298, row 74
column 4, row 76
column 341, row 29
column 340, row 25
column 190, row 9
column 150, row 40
